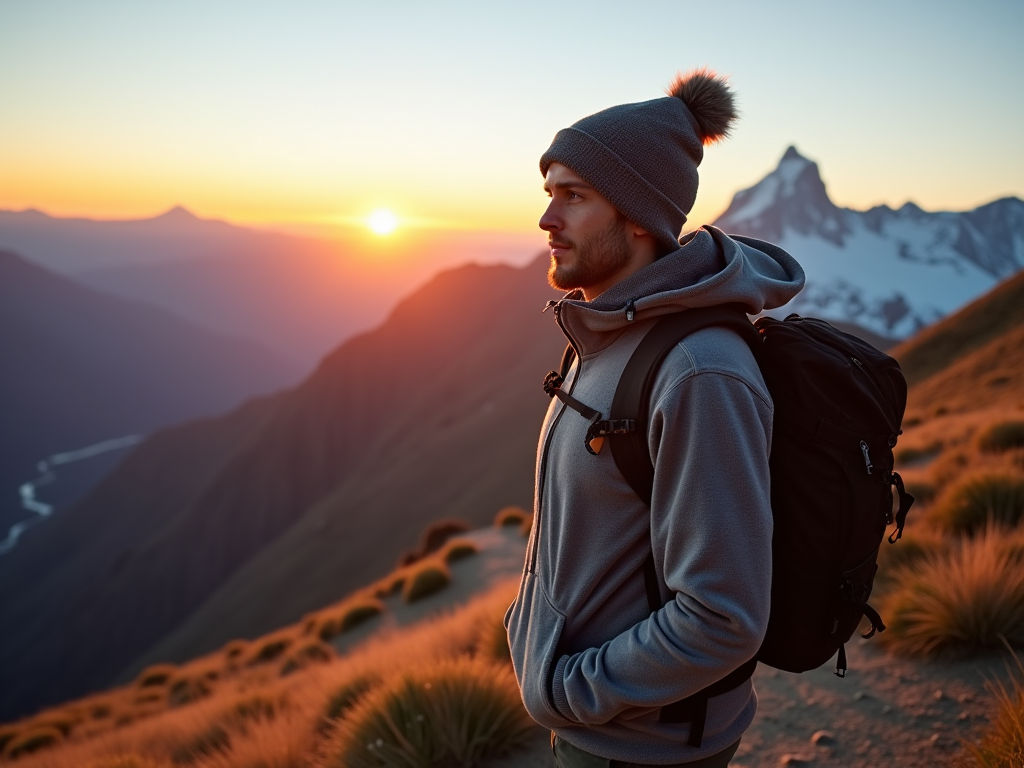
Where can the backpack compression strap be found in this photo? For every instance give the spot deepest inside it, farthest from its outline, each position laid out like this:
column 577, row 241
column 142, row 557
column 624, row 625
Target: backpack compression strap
column 633, row 459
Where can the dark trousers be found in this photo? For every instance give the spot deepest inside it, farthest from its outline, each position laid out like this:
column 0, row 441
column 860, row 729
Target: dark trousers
column 569, row 756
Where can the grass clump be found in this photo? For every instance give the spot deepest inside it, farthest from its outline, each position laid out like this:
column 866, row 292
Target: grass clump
column 7, row 734
column 458, row 549
column 511, row 516
column 993, row 496
column 961, row 601
column 1002, row 436
column 158, row 674
column 430, row 577
column 314, row 652
column 457, row 712
column 185, row 690
column 1002, row 744
column 347, row 696
column 32, row 740
column 270, row 650
column 352, row 614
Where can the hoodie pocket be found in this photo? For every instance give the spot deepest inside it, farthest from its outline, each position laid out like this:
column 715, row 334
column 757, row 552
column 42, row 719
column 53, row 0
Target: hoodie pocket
column 534, row 629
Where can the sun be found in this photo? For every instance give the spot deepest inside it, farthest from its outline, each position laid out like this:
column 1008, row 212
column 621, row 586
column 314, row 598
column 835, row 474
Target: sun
column 382, row 221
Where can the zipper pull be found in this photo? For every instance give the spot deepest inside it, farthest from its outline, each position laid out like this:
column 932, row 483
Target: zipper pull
column 551, row 303
column 630, row 310
column 867, row 456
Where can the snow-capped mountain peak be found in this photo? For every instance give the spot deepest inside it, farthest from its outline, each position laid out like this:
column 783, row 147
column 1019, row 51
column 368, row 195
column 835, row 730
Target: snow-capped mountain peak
column 892, row 271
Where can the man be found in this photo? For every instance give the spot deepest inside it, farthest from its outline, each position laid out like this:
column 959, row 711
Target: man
column 594, row 663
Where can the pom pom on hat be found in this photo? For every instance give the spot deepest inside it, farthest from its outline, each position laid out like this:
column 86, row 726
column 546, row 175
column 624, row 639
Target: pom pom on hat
column 710, row 101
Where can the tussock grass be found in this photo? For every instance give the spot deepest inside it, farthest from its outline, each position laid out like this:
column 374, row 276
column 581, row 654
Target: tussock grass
column 185, row 690
column 7, row 733
column 991, row 495
column 456, row 713
column 511, row 516
column 352, row 613
column 1002, row 436
column 917, row 453
column 254, row 717
column 458, row 549
column 270, row 649
column 32, row 740
column 1002, row 744
column 432, row 539
column 430, row 577
column 311, row 652
column 961, row 601
column 347, row 695
column 157, row 674
column 918, row 543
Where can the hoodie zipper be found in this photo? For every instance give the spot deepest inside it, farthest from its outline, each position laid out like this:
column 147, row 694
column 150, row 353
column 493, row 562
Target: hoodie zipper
column 557, row 308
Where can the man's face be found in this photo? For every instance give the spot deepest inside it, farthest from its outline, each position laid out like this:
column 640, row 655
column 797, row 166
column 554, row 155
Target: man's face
column 587, row 235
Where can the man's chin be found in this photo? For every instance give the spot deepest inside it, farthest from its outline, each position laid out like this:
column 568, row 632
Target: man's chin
column 560, row 278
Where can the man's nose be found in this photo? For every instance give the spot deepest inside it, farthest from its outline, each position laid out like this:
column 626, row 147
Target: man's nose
column 550, row 221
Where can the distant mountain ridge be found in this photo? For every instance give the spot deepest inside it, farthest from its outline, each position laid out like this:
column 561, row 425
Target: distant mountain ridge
column 80, row 367
column 891, row 271
column 233, row 525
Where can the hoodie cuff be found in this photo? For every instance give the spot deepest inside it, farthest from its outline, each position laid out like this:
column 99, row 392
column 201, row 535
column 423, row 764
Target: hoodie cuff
column 558, row 698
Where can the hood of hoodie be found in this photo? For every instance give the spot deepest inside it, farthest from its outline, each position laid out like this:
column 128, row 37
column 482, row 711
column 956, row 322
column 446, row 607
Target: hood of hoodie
column 709, row 268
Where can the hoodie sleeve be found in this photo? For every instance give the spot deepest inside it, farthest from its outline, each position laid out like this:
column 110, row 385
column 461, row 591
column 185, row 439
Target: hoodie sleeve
column 710, row 435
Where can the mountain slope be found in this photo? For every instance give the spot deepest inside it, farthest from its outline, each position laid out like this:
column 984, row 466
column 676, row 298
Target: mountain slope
column 81, row 367
column 433, row 414
column 891, row 271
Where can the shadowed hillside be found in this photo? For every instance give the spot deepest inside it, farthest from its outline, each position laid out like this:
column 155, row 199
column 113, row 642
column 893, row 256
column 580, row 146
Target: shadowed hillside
column 80, row 367
column 434, row 414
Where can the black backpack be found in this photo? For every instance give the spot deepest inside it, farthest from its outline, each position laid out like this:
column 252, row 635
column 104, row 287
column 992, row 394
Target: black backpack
column 839, row 403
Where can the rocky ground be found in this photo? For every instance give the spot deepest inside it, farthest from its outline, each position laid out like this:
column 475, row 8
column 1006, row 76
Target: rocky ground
column 886, row 711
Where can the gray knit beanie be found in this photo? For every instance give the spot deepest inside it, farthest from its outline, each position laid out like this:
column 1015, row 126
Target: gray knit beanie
column 643, row 157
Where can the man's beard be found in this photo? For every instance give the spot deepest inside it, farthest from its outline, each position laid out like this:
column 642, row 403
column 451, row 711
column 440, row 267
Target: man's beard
column 598, row 257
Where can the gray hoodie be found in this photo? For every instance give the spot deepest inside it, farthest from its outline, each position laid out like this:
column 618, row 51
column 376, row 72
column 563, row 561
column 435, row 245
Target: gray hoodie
column 593, row 662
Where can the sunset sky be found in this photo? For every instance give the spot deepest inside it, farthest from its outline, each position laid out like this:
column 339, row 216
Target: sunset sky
column 318, row 113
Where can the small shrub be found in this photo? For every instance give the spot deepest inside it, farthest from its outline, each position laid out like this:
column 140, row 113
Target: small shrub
column 1004, row 436
column 959, row 602
column 185, row 690
column 459, row 712
column 458, row 549
column 313, row 652
column 149, row 697
column 32, row 740
column 432, row 539
column 158, row 674
column 431, row 577
column 234, row 650
column 352, row 614
column 493, row 642
column 389, row 586
column 7, row 734
column 975, row 500
column 206, row 743
column 346, row 697
column 511, row 516
column 1002, row 744
column 101, row 710
column 62, row 720
column 270, row 650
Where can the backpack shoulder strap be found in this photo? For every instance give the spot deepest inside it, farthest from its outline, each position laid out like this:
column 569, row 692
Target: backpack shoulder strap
column 633, row 459
column 632, row 395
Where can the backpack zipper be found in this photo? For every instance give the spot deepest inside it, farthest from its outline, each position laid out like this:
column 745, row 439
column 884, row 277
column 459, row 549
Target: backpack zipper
column 557, row 308
column 867, row 456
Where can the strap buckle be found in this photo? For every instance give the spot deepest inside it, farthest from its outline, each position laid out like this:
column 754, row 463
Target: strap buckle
column 614, row 427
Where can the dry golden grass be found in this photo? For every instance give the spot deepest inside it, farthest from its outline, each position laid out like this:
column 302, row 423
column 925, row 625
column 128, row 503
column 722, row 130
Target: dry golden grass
column 255, row 717
column 425, row 578
column 511, row 516
column 980, row 497
column 1002, row 744
column 961, row 600
column 457, row 712
column 458, row 549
